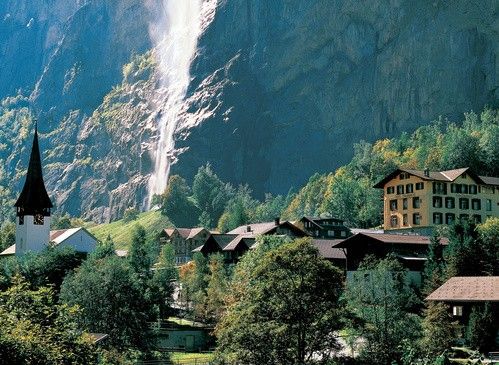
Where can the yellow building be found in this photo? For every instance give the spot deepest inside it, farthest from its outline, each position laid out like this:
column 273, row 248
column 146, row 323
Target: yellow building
column 419, row 200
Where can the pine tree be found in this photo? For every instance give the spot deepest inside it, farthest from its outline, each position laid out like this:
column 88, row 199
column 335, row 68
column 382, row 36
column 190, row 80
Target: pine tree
column 434, row 265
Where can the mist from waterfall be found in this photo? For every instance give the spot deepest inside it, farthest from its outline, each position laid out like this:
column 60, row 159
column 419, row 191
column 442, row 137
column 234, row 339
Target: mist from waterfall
column 175, row 35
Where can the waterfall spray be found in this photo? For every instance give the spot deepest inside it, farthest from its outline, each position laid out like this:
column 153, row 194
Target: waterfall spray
column 175, row 34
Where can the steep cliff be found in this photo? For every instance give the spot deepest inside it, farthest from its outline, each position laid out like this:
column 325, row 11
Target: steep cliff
column 280, row 89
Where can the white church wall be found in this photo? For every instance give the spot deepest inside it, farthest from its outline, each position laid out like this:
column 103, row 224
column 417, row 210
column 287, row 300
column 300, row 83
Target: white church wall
column 81, row 241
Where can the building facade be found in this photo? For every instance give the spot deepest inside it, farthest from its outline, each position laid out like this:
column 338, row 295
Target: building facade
column 325, row 228
column 420, row 200
column 184, row 240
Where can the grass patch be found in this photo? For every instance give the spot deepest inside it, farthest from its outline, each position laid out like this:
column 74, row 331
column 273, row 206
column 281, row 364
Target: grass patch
column 190, row 357
column 121, row 232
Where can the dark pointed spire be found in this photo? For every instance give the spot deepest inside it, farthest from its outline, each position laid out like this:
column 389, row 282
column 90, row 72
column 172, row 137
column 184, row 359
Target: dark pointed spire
column 34, row 197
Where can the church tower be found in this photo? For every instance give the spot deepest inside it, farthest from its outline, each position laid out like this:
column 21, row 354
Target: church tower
column 33, row 207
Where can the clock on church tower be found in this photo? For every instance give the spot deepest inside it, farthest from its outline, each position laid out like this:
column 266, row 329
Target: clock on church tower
column 33, row 207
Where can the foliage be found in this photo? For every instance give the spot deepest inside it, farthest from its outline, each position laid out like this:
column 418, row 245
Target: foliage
column 36, row 330
column 467, row 254
column 433, row 275
column 482, row 326
column 113, row 301
column 489, row 234
column 176, row 205
column 285, row 311
column 379, row 295
column 216, row 289
column 7, row 235
column 165, row 273
column 194, row 278
column 211, row 195
column 65, row 221
column 439, row 331
column 104, row 249
column 138, row 255
column 239, row 210
column 130, row 214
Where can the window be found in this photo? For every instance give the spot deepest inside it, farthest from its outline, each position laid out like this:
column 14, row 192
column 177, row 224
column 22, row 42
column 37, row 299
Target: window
column 21, row 220
column 457, row 310
column 405, row 204
column 450, row 203
column 416, row 219
column 477, row 218
column 416, row 202
column 343, row 233
column 473, row 189
column 330, row 233
column 464, row 217
column 437, row 218
column 439, row 188
column 464, row 189
column 437, row 202
column 450, row 218
column 404, row 175
column 464, row 203
column 390, row 190
column 393, row 204
column 454, row 188
column 393, row 221
column 476, row 204
column 405, row 220
column 38, row 219
column 488, row 205
column 400, row 189
column 409, row 188
column 419, row 186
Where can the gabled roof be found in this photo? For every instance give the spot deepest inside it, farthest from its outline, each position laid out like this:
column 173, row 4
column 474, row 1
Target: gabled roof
column 240, row 239
column 327, row 250
column 447, row 176
column 34, row 195
column 186, row 233
column 11, row 250
column 266, row 228
column 468, row 289
column 384, row 238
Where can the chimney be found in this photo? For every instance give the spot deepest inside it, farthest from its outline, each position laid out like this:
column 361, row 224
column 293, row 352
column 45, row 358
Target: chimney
column 277, row 221
column 427, row 172
column 248, row 228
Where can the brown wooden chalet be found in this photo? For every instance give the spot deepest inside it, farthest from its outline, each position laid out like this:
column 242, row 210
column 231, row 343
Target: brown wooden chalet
column 461, row 293
column 332, row 228
column 184, row 240
column 411, row 250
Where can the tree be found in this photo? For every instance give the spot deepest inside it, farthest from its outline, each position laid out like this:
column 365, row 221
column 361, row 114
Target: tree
column 130, row 214
column 176, row 204
column 138, row 255
column 378, row 294
column 216, row 289
column 285, row 311
column 165, row 273
column 194, row 280
column 104, row 249
column 466, row 254
column 489, row 234
column 211, row 195
column 434, row 268
column 482, row 326
column 239, row 210
column 439, row 331
column 34, row 329
column 7, row 235
column 111, row 296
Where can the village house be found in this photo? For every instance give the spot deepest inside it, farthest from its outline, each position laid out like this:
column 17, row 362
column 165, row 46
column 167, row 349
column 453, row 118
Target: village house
column 417, row 200
column 411, row 250
column 332, row 228
column 462, row 293
column 33, row 215
column 184, row 240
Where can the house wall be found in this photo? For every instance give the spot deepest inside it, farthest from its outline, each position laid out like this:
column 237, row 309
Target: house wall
column 488, row 196
column 81, row 241
column 187, row 339
column 31, row 237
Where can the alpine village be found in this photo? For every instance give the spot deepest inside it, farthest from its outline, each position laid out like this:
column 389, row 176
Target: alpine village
column 240, row 182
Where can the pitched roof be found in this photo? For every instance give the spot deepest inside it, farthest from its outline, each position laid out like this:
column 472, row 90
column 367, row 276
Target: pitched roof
column 468, row 289
column 57, row 237
column 195, row 231
column 223, row 239
column 385, row 238
column 11, row 250
column 446, row 175
column 242, row 238
column 264, row 228
column 34, row 195
column 327, row 250
column 188, row 233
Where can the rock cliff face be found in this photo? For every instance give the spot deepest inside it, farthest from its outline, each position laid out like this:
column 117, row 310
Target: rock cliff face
column 281, row 89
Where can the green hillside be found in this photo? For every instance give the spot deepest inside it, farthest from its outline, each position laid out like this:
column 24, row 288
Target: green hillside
column 121, row 231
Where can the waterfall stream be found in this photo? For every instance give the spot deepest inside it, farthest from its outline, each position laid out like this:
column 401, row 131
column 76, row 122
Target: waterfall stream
column 175, row 35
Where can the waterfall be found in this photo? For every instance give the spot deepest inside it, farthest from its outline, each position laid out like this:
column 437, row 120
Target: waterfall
column 175, row 35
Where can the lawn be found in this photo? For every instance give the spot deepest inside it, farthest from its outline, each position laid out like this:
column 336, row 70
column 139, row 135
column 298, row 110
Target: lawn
column 121, row 232
column 189, row 358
